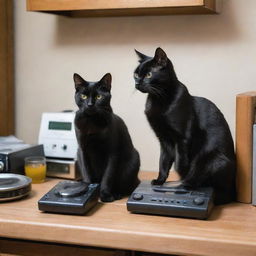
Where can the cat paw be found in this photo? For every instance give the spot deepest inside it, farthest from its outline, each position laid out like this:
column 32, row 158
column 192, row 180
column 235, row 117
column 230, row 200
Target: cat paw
column 106, row 196
column 157, row 182
column 117, row 196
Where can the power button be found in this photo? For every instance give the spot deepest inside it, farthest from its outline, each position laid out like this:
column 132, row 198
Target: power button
column 198, row 200
column 137, row 196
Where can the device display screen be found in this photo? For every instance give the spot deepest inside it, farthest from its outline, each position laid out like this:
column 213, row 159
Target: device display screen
column 64, row 126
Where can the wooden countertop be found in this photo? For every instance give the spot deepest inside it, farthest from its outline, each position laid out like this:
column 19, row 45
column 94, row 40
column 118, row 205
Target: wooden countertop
column 230, row 230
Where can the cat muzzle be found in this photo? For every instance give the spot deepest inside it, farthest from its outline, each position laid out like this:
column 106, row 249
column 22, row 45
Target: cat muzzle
column 90, row 110
column 140, row 88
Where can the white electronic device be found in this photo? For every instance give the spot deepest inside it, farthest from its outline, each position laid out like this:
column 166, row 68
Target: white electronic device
column 57, row 134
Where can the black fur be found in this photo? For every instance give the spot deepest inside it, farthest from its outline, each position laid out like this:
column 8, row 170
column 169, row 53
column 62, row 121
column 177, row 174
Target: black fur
column 191, row 130
column 106, row 154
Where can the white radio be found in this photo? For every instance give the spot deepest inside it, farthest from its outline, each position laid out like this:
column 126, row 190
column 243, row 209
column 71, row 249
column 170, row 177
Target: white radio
column 57, row 134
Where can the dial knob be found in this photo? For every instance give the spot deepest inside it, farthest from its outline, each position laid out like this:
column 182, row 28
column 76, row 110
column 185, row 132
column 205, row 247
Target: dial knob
column 198, row 200
column 64, row 147
column 1, row 166
column 137, row 196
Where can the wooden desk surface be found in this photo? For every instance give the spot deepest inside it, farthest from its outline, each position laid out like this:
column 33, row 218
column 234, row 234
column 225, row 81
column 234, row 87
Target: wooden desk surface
column 231, row 229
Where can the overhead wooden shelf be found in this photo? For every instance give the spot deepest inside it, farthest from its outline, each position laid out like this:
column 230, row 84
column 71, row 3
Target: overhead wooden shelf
column 92, row 8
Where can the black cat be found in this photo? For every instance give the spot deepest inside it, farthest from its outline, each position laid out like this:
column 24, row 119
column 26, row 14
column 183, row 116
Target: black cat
column 191, row 130
column 106, row 154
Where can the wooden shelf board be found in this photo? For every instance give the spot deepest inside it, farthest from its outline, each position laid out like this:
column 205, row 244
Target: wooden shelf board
column 88, row 8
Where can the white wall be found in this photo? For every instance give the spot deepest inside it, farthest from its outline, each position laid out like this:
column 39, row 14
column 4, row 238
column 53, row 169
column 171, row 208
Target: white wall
column 214, row 56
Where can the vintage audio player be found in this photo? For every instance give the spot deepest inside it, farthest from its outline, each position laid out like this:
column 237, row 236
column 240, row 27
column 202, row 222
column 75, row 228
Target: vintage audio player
column 12, row 156
column 171, row 200
column 70, row 197
column 57, row 134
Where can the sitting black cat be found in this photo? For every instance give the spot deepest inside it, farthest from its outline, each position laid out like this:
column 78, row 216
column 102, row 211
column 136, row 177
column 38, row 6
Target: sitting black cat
column 192, row 131
column 106, row 154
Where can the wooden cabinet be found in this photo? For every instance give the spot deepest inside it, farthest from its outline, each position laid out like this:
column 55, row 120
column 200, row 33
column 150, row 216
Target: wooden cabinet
column 15, row 247
column 110, row 230
column 87, row 8
column 6, row 68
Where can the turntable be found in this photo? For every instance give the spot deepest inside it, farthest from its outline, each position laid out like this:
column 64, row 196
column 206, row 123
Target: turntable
column 171, row 199
column 71, row 197
column 14, row 186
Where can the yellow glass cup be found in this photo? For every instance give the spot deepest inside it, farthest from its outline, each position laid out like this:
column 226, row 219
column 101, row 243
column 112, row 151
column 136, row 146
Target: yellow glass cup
column 35, row 168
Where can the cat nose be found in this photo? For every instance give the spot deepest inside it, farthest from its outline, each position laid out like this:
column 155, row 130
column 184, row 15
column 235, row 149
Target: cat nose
column 90, row 103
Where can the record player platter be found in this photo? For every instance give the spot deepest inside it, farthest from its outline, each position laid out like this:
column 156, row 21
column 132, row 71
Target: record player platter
column 13, row 186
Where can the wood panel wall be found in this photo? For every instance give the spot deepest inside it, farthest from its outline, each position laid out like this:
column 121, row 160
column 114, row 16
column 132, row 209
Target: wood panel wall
column 6, row 68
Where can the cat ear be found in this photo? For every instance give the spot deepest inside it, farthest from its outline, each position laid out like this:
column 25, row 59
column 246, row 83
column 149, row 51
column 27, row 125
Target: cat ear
column 141, row 56
column 160, row 57
column 79, row 81
column 106, row 81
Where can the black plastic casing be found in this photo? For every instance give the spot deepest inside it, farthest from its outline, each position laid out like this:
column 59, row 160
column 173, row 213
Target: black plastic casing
column 80, row 204
column 191, row 204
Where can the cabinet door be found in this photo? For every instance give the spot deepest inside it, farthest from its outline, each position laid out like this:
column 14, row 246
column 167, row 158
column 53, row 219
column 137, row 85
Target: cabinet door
column 14, row 247
column 6, row 68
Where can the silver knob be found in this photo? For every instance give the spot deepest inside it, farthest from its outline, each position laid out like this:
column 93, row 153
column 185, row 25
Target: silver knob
column 1, row 166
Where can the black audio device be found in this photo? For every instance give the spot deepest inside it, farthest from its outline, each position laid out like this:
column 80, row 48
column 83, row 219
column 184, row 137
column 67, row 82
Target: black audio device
column 12, row 157
column 171, row 199
column 71, row 197
column 14, row 186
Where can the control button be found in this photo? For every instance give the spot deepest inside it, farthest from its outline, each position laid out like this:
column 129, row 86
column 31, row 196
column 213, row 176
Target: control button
column 137, row 196
column 54, row 146
column 64, row 147
column 1, row 166
column 198, row 200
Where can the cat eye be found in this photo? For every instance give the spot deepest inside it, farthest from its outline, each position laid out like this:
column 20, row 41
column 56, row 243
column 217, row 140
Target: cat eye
column 136, row 75
column 148, row 75
column 83, row 96
column 98, row 97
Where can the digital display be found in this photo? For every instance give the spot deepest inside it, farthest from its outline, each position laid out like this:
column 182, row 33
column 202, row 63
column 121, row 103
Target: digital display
column 64, row 126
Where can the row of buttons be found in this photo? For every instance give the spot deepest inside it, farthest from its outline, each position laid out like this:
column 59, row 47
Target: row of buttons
column 172, row 201
column 197, row 200
column 64, row 147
